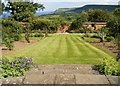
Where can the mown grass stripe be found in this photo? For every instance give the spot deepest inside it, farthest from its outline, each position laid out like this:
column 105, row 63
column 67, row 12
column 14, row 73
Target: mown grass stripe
column 97, row 51
column 73, row 50
column 62, row 49
column 32, row 50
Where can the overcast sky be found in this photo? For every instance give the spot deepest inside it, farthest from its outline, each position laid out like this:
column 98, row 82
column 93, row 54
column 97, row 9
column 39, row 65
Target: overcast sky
column 51, row 5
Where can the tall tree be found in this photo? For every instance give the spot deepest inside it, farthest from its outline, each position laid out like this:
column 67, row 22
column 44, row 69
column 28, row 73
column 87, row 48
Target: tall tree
column 117, row 12
column 1, row 7
column 102, row 33
column 18, row 7
column 98, row 15
column 23, row 10
column 78, row 23
column 114, row 28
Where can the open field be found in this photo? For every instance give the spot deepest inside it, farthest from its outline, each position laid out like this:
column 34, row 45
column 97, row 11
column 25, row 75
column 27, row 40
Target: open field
column 62, row 49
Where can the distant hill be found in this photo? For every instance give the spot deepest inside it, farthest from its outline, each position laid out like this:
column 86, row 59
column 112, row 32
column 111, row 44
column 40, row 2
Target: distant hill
column 60, row 10
column 86, row 7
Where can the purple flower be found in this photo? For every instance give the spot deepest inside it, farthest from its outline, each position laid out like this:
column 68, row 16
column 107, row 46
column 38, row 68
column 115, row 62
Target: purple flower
column 4, row 62
column 31, row 59
column 23, row 64
column 28, row 60
column 20, row 68
column 12, row 63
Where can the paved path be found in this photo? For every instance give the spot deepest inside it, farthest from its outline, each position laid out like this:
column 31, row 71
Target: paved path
column 64, row 74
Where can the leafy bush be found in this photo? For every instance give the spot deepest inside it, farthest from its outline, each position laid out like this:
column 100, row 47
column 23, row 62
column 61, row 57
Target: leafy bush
column 17, row 67
column 109, row 66
column 9, row 43
column 13, row 28
column 74, row 31
column 95, row 36
column 82, row 31
column 8, row 40
column 87, row 35
column 109, row 39
column 38, row 35
column 31, row 35
column 71, row 31
column 17, row 36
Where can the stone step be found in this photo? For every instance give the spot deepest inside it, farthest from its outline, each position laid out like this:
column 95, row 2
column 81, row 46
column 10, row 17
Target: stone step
column 64, row 69
column 72, row 79
column 72, row 74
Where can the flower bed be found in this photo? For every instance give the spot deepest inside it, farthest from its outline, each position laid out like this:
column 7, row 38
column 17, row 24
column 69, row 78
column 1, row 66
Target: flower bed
column 16, row 67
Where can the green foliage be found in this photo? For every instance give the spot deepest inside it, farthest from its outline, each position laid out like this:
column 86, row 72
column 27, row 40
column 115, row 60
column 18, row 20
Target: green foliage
column 114, row 26
column 14, row 28
column 23, row 16
column 78, row 23
column 27, row 29
column 7, row 38
column 109, row 38
column 38, row 35
column 98, row 15
column 40, row 24
column 102, row 33
column 87, row 35
column 117, row 12
column 18, row 7
column 8, row 41
column 1, row 7
column 23, row 11
column 109, row 66
column 16, row 67
column 74, row 31
column 95, row 36
column 11, row 32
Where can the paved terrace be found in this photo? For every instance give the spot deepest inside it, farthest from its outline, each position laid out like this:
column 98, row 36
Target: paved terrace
column 73, row 75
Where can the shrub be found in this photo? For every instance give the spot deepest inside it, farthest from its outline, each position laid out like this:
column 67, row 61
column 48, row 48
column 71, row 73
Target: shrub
column 9, row 43
column 38, row 35
column 87, row 35
column 82, row 31
column 95, row 36
column 17, row 67
column 31, row 35
column 12, row 28
column 109, row 39
column 17, row 37
column 109, row 66
column 71, row 31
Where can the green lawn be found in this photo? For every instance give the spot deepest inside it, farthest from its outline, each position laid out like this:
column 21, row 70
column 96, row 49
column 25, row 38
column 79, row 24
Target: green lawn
column 62, row 49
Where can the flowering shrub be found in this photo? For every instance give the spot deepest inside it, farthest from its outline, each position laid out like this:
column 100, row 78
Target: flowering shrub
column 16, row 67
column 109, row 66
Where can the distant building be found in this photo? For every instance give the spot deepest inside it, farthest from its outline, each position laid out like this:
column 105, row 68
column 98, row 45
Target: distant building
column 94, row 25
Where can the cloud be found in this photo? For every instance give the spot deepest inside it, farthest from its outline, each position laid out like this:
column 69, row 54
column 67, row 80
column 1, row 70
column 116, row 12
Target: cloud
column 90, row 1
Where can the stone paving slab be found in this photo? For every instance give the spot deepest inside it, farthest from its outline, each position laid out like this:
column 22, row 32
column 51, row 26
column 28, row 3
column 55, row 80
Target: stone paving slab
column 68, row 69
column 65, row 79
column 0, row 82
column 113, row 79
column 39, row 79
column 15, row 80
column 91, row 79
